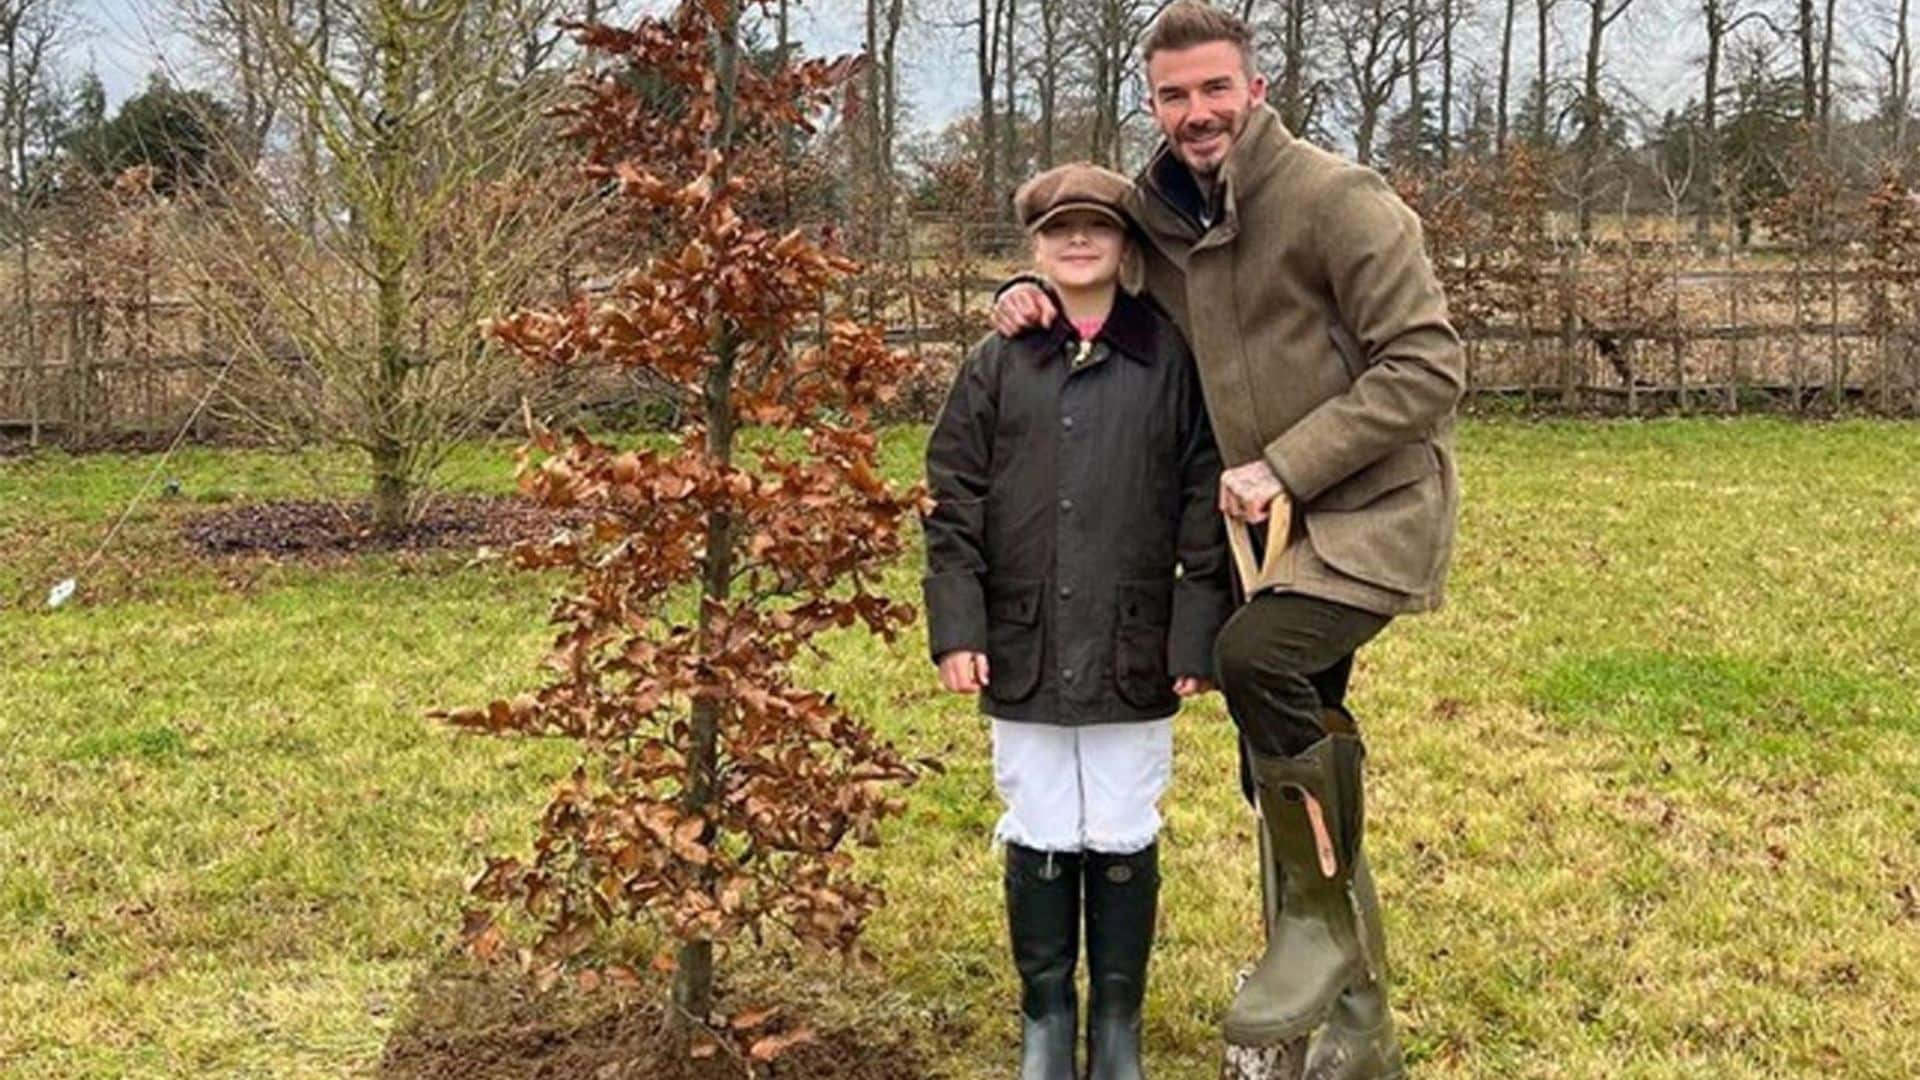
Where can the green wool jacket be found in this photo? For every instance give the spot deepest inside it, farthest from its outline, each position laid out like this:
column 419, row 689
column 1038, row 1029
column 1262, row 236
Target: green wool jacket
column 1324, row 347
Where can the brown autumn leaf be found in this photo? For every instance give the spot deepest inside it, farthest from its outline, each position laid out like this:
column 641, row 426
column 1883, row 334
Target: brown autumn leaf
column 769, row 1047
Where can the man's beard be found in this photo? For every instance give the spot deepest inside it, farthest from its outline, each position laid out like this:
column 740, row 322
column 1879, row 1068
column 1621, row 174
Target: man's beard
column 1228, row 131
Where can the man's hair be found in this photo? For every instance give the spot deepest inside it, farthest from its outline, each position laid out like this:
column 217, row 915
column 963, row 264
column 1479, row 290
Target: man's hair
column 1187, row 23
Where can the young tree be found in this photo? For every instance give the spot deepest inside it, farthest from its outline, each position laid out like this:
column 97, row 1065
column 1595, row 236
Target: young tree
column 715, row 795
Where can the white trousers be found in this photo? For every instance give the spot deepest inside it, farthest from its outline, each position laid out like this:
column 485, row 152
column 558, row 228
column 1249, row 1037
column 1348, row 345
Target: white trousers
column 1093, row 788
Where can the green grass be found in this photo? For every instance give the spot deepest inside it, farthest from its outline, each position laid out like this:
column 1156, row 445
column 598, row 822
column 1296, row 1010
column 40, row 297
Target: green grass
column 1646, row 798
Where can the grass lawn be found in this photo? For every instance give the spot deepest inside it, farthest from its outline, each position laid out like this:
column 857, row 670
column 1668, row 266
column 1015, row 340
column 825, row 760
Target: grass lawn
column 1646, row 794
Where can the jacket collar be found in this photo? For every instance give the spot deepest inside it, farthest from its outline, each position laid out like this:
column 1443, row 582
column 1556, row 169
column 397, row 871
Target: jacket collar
column 1130, row 329
column 1251, row 161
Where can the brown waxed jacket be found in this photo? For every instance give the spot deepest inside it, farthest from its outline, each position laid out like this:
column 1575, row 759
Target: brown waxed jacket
column 1324, row 347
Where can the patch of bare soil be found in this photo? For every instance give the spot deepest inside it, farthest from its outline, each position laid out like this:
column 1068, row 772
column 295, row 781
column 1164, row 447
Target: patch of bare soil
column 498, row 1026
column 296, row 528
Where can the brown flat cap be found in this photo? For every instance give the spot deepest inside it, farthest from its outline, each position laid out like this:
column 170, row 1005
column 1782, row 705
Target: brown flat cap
column 1078, row 185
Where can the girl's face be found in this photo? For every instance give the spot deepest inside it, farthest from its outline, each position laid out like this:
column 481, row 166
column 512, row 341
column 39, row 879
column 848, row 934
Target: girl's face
column 1080, row 249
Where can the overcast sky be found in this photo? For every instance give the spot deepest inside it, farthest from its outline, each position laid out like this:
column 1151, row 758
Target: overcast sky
column 124, row 40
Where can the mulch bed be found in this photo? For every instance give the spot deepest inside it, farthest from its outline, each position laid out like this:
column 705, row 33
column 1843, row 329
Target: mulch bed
column 499, row 1027
column 296, row 528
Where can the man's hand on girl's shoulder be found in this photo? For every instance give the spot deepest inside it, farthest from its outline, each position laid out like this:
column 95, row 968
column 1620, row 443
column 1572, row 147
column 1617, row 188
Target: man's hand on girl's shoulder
column 1023, row 306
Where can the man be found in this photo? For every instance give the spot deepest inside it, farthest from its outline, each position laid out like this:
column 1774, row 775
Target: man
column 1331, row 374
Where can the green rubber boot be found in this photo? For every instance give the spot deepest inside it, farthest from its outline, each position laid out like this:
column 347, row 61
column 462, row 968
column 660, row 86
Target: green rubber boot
column 1312, row 804
column 1358, row 1042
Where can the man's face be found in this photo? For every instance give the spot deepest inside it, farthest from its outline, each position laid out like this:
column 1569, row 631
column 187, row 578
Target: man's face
column 1202, row 98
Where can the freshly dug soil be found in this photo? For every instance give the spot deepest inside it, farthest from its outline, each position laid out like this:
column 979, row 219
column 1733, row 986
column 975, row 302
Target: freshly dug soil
column 295, row 528
column 497, row 1027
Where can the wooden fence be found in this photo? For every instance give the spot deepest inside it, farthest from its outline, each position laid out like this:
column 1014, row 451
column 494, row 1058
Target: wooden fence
column 1771, row 340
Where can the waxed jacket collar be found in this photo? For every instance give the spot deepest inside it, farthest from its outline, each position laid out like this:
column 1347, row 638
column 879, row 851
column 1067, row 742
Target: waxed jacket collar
column 1131, row 329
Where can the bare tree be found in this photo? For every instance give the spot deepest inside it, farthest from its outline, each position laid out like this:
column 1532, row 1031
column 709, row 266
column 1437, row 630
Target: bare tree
column 1806, row 33
column 1451, row 12
column 1543, row 21
column 1721, row 18
column 31, row 33
column 1298, row 92
column 1113, row 29
column 987, row 56
column 1896, row 67
column 1010, row 64
column 1372, row 37
column 229, row 37
column 878, row 122
column 1506, row 78
column 1601, row 14
column 1826, row 80
column 435, row 207
column 1047, row 67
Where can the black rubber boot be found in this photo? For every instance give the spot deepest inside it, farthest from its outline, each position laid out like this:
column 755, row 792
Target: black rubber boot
column 1043, row 920
column 1123, row 893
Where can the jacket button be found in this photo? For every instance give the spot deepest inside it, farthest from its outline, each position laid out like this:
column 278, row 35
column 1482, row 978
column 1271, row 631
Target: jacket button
column 1066, row 504
column 1067, row 422
column 1066, row 674
column 1066, row 592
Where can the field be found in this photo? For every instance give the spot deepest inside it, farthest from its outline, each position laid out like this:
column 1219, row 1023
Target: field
column 1646, row 794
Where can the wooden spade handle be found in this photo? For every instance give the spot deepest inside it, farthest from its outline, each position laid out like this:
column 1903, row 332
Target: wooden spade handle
column 1240, row 538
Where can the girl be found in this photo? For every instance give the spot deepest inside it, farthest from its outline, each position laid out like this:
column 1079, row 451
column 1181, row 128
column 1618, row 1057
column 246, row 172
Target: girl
column 1073, row 472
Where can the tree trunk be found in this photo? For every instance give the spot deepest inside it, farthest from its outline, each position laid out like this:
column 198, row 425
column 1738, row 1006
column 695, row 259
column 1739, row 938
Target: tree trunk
column 890, row 116
column 1902, row 81
column 1293, row 57
column 692, row 988
column 1826, row 82
column 389, row 442
column 1506, row 78
column 1543, row 9
column 1590, row 118
column 1809, row 105
column 1446, row 81
column 1048, row 77
column 1415, row 103
column 868, row 225
column 1709, row 119
column 987, row 49
column 1009, row 64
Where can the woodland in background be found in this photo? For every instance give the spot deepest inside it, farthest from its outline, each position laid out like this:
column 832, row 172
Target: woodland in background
column 308, row 234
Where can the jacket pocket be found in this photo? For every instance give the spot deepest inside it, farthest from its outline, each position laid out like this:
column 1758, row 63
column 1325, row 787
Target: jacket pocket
column 1013, row 638
column 1389, row 525
column 1399, row 467
column 1143, row 611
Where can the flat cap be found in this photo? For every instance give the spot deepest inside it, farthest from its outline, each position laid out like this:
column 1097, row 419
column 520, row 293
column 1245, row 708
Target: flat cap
column 1077, row 185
